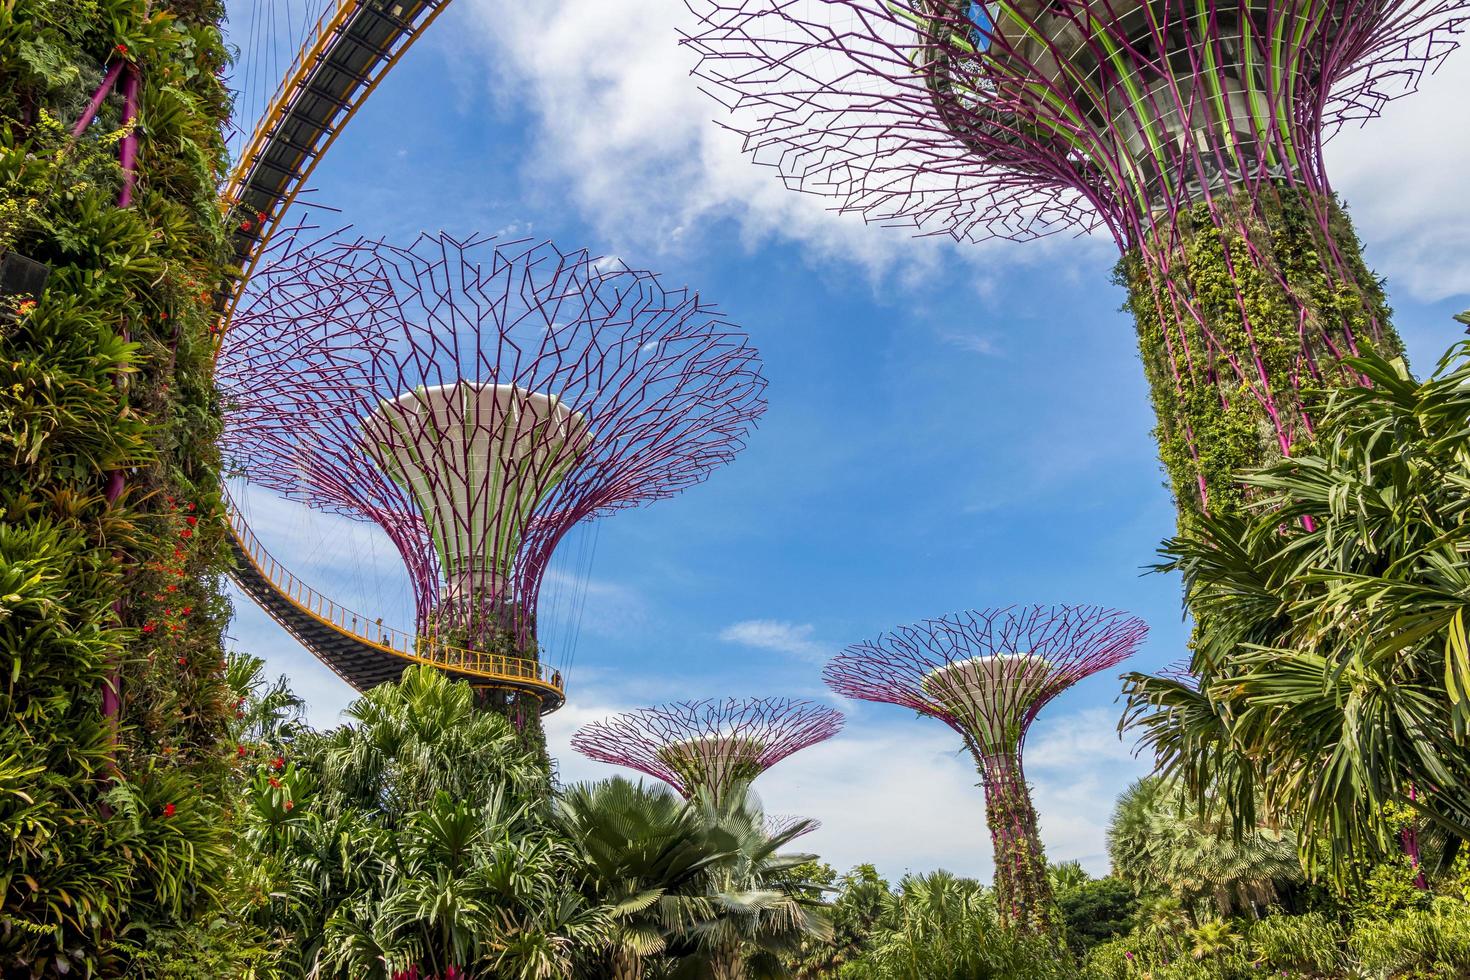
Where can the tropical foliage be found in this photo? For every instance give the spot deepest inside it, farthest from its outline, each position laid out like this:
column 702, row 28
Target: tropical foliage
column 1159, row 839
column 115, row 839
column 423, row 839
column 1328, row 684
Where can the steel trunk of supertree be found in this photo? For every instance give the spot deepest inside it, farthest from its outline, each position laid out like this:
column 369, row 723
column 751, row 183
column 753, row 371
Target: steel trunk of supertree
column 498, row 396
column 1191, row 129
column 711, row 745
column 987, row 674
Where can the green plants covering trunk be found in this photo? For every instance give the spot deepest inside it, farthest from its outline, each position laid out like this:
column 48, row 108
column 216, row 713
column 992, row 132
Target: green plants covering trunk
column 1243, row 308
column 1023, row 894
column 111, row 539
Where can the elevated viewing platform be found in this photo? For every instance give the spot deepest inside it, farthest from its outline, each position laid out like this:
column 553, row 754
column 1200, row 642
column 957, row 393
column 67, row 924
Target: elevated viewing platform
column 360, row 649
column 350, row 51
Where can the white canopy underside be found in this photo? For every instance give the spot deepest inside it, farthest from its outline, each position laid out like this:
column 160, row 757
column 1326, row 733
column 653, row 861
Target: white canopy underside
column 711, row 760
column 476, row 458
column 991, row 694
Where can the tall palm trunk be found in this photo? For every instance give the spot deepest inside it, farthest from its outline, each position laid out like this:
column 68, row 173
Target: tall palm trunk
column 627, row 965
column 727, row 964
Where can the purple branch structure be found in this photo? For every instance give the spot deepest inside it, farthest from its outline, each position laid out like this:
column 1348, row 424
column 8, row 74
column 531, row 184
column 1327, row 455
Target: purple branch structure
column 1191, row 130
column 708, row 745
column 987, row 674
column 476, row 401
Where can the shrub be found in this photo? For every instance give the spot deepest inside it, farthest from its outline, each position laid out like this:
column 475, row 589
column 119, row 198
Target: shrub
column 1309, row 945
column 1425, row 944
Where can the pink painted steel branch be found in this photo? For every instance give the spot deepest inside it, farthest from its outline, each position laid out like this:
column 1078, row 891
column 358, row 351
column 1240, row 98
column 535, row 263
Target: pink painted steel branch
column 986, row 673
column 571, row 387
column 708, row 744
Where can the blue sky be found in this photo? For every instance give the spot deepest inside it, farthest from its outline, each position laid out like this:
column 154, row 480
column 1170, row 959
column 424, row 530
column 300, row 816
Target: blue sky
column 950, row 426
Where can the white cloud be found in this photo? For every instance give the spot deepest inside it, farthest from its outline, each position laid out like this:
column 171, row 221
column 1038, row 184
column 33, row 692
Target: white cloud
column 772, row 634
column 1403, row 177
column 632, row 142
column 974, row 343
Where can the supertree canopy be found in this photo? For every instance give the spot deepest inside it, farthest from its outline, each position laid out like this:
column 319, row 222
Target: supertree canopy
column 708, row 745
column 1191, row 129
column 987, row 675
column 493, row 397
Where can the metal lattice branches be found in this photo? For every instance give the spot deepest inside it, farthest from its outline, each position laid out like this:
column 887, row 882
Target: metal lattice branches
column 986, row 673
column 712, row 744
column 1019, row 118
column 303, row 339
column 513, row 391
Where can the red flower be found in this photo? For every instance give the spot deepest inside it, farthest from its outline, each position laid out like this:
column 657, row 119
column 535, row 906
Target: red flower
column 191, row 506
column 275, row 783
column 278, row 763
column 246, row 225
column 173, row 588
column 240, row 750
column 149, row 627
column 191, row 521
column 121, row 49
column 288, row 806
column 186, row 611
column 183, row 661
column 186, row 533
column 168, row 809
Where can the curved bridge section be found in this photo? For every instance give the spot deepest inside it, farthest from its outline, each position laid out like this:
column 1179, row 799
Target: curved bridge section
column 352, row 47
column 363, row 651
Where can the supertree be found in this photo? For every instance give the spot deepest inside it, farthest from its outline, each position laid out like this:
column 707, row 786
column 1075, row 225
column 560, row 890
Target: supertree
column 711, row 745
column 987, row 674
column 1192, row 130
column 500, row 395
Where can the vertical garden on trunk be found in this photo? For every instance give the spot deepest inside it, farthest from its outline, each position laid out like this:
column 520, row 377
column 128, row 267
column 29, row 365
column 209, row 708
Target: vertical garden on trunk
column 112, row 771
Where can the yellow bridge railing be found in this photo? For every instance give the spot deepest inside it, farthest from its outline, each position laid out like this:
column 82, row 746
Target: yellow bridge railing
column 487, row 669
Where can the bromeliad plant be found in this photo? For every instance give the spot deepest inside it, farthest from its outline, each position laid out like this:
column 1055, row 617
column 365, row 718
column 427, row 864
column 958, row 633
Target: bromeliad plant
column 1331, row 673
column 115, row 844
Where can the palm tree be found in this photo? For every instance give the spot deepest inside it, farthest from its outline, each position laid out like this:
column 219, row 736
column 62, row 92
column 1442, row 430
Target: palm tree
column 1162, row 919
column 266, row 713
column 1212, row 940
column 1331, row 671
column 423, row 736
column 760, row 914
column 1066, row 875
column 1158, row 840
column 647, row 853
column 418, row 839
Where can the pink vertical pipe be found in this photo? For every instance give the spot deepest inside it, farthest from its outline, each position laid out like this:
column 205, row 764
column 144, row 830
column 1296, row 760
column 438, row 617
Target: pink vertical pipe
column 127, row 153
column 1410, row 841
column 127, row 156
column 97, row 98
